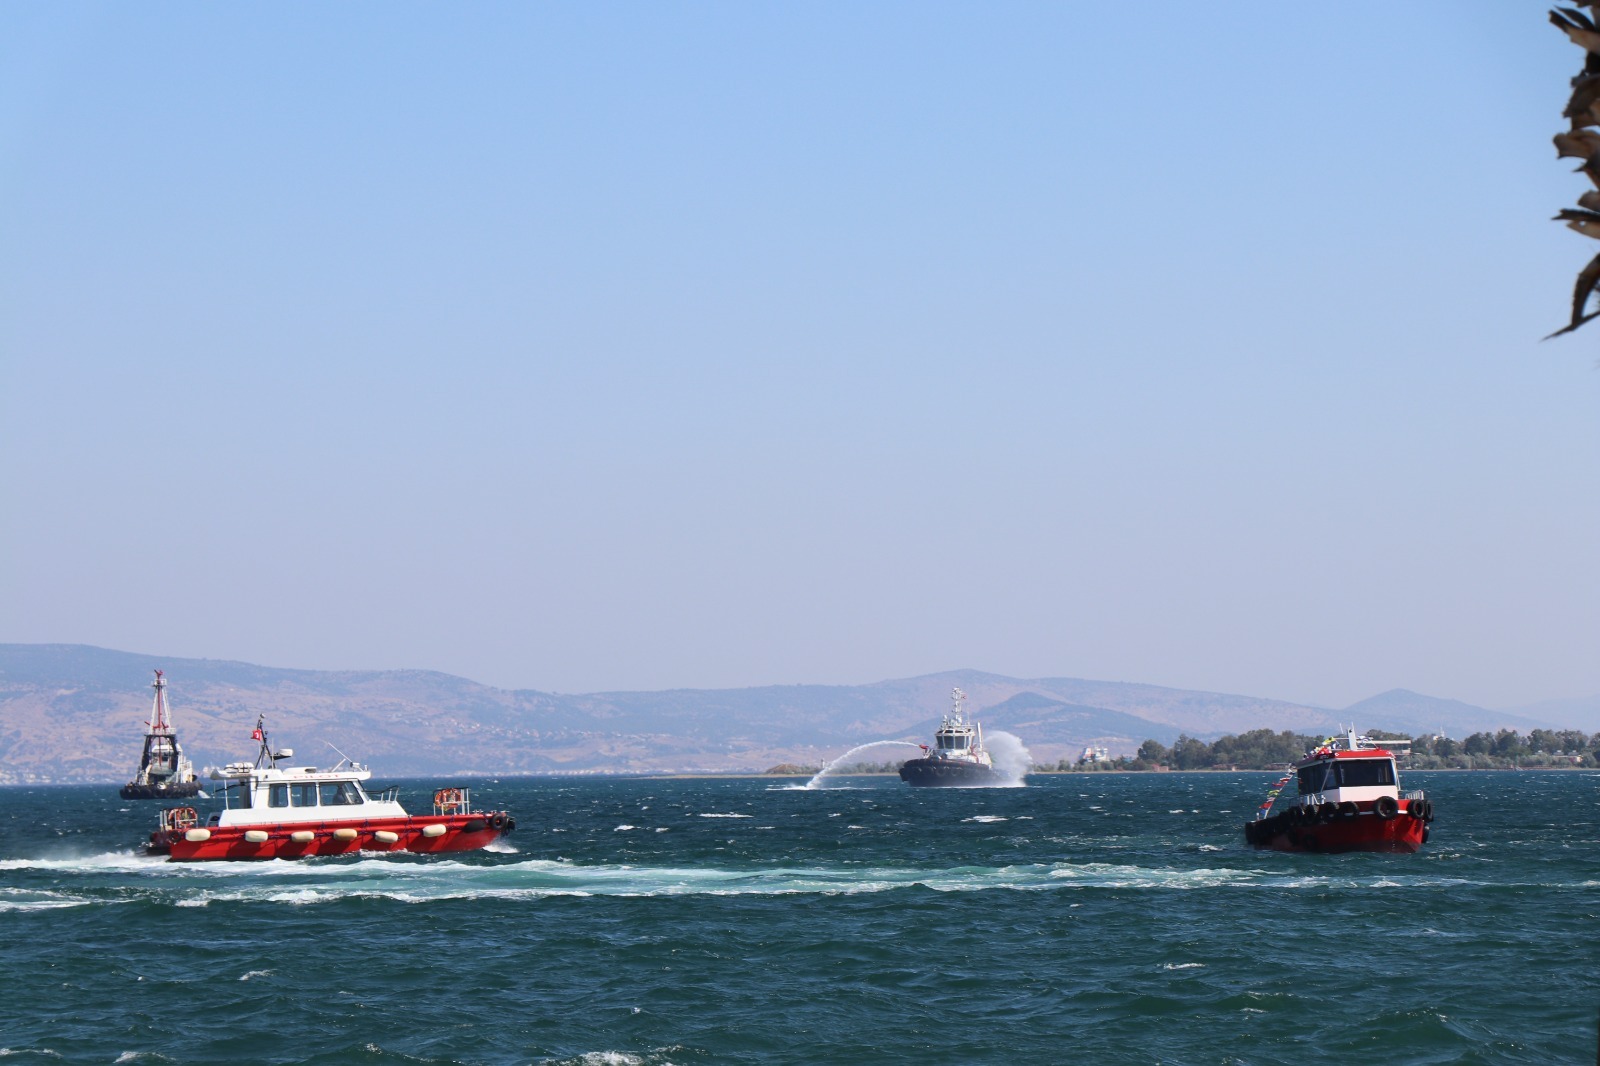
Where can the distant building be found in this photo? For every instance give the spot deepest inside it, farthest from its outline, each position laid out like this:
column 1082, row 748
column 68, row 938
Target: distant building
column 1094, row 754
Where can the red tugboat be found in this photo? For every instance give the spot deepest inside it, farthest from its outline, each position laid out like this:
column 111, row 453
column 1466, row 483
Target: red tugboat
column 1349, row 800
column 280, row 812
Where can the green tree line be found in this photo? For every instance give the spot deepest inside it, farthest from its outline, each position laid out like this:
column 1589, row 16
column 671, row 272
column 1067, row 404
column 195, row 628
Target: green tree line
column 1262, row 749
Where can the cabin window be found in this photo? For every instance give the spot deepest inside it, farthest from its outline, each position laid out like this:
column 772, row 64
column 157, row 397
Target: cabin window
column 303, row 795
column 1314, row 778
column 340, row 793
column 1365, row 773
column 278, row 796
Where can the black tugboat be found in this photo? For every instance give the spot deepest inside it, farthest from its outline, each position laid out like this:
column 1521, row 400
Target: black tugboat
column 164, row 771
column 957, row 757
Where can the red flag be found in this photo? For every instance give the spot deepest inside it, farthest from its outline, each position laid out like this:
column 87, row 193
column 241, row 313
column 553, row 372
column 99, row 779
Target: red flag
column 255, row 734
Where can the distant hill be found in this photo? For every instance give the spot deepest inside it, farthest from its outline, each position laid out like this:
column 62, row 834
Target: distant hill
column 75, row 713
column 1411, row 712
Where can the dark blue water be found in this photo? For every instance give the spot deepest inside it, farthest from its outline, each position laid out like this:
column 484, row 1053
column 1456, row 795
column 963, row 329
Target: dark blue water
column 1085, row 918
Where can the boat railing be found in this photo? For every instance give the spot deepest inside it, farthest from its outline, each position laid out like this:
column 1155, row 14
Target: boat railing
column 390, row 794
column 175, row 818
column 452, row 801
column 1413, row 794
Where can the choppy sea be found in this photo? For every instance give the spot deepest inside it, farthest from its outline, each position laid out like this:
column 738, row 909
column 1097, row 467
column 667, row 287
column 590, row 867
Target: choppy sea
column 1083, row 918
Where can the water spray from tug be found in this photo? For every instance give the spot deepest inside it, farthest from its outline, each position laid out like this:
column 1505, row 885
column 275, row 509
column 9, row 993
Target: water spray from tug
column 817, row 782
column 959, row 758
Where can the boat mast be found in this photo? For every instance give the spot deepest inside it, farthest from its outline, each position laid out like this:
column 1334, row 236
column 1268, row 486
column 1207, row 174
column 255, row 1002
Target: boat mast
column 160, row 722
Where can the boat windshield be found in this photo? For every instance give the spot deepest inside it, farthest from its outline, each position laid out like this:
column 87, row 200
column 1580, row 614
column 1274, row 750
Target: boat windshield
column 947, row 740
column 1346, row 773
column 1315, row 778
column 1359, row 773
column 340, row 793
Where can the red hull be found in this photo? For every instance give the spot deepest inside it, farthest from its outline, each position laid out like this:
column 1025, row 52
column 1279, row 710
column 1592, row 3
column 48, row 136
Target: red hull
column 1365, row 831
column 462, row 832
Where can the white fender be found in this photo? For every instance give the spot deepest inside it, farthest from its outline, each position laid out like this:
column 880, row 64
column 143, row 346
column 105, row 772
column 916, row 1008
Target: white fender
column 197, row 836
column 431, row 831
column 383, row 836
column 344, row 834
column 256, row 836
column 302, row 836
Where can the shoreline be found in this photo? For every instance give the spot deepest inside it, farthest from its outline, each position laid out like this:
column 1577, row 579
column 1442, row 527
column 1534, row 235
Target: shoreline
column 700, row 775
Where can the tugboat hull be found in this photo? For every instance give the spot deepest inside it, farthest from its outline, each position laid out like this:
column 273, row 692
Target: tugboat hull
column 947, row 773
column 133, row 790
column 301, row 840
column 1307, row 829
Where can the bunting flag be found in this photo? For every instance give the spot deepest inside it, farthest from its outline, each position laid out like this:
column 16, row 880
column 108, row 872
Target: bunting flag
column 1278, row 786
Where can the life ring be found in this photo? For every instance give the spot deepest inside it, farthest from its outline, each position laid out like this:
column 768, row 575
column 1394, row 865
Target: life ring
column 1385, row 807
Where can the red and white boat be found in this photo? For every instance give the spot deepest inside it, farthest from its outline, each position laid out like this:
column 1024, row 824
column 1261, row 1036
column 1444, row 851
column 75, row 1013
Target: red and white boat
column 272, row 811
column 1349, row 800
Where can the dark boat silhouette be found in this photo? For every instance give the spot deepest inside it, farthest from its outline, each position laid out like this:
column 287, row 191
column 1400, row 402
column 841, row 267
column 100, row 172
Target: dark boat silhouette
column 957, row 757
column 164, row 771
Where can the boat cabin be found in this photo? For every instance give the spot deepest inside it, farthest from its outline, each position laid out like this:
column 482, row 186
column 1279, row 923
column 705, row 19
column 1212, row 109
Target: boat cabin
column 953, row 737
column 1357, row 772
column 956, row 738
column 264, row 792
column 299, row 794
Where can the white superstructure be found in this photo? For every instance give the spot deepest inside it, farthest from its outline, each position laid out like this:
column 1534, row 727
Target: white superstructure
column 264, row 793
column 956, row 738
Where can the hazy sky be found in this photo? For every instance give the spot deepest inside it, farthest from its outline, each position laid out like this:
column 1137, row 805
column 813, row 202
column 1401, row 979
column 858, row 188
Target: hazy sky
column 589, row 346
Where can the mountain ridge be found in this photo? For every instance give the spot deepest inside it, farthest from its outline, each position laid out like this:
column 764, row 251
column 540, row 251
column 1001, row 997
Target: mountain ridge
column 73, row 712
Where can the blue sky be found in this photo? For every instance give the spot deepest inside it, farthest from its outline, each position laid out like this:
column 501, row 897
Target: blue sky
column 585, row 347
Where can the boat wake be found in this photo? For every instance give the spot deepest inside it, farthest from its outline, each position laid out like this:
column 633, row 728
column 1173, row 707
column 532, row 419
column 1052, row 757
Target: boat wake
column 120, row 878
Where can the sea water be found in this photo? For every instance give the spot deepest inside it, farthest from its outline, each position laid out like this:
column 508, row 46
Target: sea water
column 1085, row 918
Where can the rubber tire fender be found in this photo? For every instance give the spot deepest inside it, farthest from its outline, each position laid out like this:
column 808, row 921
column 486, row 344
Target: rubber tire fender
column 1348, row 809
column 1386, row 807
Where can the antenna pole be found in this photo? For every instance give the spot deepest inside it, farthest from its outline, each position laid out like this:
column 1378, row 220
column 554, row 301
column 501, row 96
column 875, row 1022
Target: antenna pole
column 159, row 722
